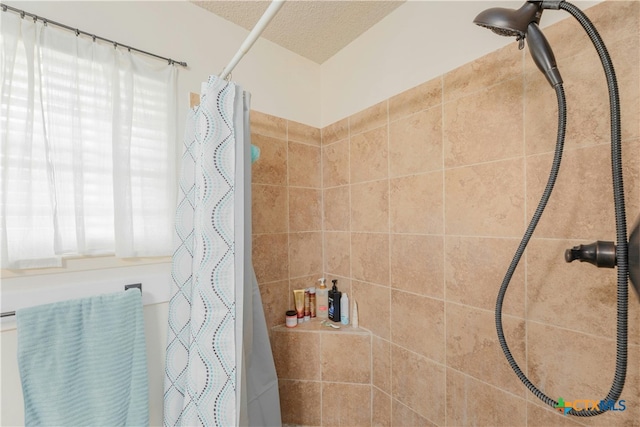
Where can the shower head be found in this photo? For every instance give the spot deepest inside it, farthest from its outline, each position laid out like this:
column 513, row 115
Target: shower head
column 523, row 24
column 510, row 22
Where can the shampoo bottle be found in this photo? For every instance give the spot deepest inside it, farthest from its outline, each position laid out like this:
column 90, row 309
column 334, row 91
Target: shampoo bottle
column 344, row 309
column 334, row 302
column 322, row 300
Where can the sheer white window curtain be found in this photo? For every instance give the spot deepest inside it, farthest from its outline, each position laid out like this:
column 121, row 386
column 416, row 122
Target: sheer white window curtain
column 88, row 139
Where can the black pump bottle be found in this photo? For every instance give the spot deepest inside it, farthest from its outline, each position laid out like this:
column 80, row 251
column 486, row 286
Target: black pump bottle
column 334, row 301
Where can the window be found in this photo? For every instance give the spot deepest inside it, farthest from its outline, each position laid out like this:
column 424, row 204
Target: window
column 88, row 148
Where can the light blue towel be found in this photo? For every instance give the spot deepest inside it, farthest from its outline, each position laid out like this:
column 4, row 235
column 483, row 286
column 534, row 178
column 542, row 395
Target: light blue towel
column 83, row 362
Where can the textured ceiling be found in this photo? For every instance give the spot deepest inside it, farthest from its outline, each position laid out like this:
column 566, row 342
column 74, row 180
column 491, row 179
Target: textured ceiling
column 313, row 29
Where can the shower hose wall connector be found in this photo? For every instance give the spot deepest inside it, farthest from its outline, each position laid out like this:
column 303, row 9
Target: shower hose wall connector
column 512, row 23
column 601, row 254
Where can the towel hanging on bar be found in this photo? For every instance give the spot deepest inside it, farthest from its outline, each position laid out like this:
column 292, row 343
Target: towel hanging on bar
column 83, row 361
column 126, row 287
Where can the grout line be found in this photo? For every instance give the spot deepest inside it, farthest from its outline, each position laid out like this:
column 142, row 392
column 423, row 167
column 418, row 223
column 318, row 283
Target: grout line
column 504, row 390
column 481, row 89
column 289, row 294
column 444, row 241
column 390, row 320
column 322, row 206
column 322, row 226
column 349, row 199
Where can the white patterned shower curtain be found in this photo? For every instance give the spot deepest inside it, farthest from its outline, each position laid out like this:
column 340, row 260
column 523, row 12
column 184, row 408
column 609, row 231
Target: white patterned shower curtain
column 219, row 366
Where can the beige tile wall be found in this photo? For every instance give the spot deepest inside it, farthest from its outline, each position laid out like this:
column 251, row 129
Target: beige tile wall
column 425, row 197
column 286, row 209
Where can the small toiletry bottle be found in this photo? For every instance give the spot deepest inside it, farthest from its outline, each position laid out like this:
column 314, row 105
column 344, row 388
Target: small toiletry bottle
column 312, row 301
column 344, row 309
column 355, row 322
column 322, row 300
column 334, row 302
column 307, row 306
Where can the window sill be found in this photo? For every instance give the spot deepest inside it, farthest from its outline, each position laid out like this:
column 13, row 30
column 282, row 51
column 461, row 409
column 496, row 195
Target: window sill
column 73, row 264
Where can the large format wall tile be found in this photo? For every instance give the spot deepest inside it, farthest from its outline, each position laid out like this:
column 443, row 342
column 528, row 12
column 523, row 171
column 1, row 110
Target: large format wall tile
column 581, row 205
column 267, row 125
column 415, row 143
column 272, row 166
column 485, row 200
column 403, row 416
column 370, row 257
column 368, row 154
column 356, row 368
column 305, row 253
column 417, row 264
column 417, row 324
column 374, row 305
column 473, row 403
column 484, row 126
column 592, row 359
column 489, row 70
column 416, row 204
column 303, row 133
column 335, row 164
column 370, row 206
column 421, row 97
column 418, row 383
column 270, row 257
column 346, row 404
column 381, row 364
column 269, row 209
column 305, row 212
column 471, row 258
column 472, row 346
column 304, row 165
column 337, row 253
column 370, row 118
column 381, row 412
column 335, row 132
column 299, row 354
column 299, row 402
column 576, row 296
column 337, row 209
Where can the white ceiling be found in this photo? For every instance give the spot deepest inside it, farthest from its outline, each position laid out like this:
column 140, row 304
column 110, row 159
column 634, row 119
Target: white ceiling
column 313, row 29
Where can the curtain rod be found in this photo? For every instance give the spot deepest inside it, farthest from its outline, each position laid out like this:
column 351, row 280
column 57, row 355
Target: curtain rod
column 46, row 21
column 262, row 23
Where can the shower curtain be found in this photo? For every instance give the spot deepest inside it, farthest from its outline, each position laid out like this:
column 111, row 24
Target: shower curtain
column 219, row 366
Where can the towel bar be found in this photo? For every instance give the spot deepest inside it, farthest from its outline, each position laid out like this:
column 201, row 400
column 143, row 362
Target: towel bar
column 126, row 287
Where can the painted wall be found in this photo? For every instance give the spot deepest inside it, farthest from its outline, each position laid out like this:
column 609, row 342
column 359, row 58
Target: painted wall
column 418, row 41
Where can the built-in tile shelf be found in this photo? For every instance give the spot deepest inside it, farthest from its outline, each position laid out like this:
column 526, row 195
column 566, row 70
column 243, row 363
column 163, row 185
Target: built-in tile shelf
column 316, row 325
column 324, row 374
